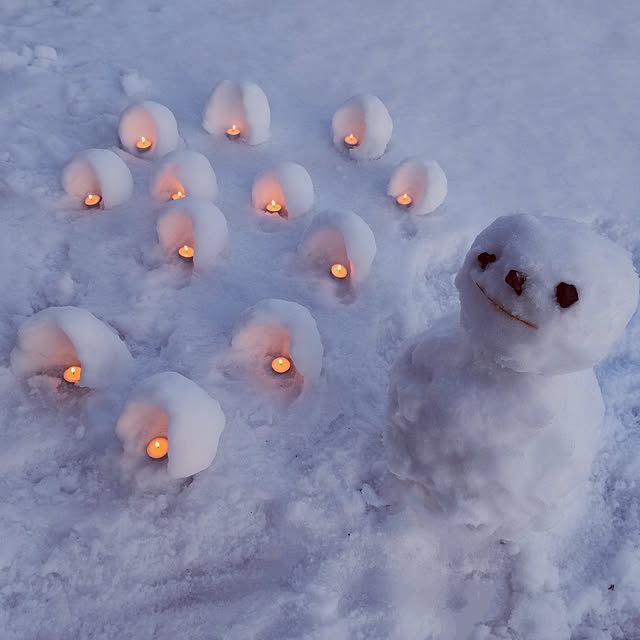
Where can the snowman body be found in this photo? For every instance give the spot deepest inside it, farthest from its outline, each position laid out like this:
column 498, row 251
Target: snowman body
column 497, row 418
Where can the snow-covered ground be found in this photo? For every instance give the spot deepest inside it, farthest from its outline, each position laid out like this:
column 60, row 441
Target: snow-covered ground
column 297, row 530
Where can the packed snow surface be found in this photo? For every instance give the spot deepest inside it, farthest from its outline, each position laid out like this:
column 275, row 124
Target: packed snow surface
column 422, row 180
column 152, row 121
column 297, row 530
column 289, row 184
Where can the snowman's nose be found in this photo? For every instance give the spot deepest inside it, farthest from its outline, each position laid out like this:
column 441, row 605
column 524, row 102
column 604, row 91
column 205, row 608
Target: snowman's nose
column 516, row 279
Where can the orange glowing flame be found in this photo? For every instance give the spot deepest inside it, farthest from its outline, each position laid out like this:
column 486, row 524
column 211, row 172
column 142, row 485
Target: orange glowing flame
column 143, row 144
column 92, row 200
column 274, row 207
column 339, row 271
column 281, row 364
column 404, row 200
column 351, row 141
column 185, row 251
column 72, row 374
column 158, row 448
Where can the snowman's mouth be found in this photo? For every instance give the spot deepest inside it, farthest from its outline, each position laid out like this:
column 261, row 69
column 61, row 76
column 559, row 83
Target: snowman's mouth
column 504, row 311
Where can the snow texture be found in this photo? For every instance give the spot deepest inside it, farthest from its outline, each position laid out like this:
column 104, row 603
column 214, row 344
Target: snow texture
column 273, row 328
column 366, row 117
column 171, row 406
column 243, row 104
column 197, row 223
column 546, row 251
column 155, row 122
column 99, row 171
column 289, row 184
column 59, row 337
column 423, row 180
column 186, row 171
column 339, row 237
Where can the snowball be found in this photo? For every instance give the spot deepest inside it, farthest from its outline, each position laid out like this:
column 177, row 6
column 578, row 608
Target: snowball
column 198, row 223
column 366, row 117
column 523, row 326
column 339, row 237
column 288, row 184
column 243, row 104
column 278, row 327
column 188, row 172
column 155, row 123
column 101, row 172
column 60, row 337
column 171, row 406
column 491, row 447
column 423, row 180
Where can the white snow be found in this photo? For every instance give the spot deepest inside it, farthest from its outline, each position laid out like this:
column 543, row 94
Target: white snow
column 101, row 172
column 187, row 171
column 298, row 530
column 366, row 117
column 289, row 184
column 155, row 123
column 59, row 337
column 275, row 328
column 339, row 237
column 243, row 104
column 168, row 405
column 197, row 223
column 422, row 180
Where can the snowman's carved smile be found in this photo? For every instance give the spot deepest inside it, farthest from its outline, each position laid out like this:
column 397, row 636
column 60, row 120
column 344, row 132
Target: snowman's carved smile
column 501, row 309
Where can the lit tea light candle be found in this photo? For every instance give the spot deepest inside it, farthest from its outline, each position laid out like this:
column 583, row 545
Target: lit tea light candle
column 339, row 271
column 186, row 252
column 72, row 374
column 351, row 141
column 92, row 200
column 158, row 448
column 404, row 200
column 178, row 194
column 274, row 207
column 281, row 364
column 233, row 133
column 143, row 144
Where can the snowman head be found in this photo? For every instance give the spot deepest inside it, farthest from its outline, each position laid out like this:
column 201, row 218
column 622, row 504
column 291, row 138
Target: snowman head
column 545, row 295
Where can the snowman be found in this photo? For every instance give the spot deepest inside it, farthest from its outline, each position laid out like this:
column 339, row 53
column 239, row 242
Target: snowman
column 496, row 421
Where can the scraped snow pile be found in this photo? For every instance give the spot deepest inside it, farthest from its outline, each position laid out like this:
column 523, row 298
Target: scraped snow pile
column 151, row 123
column 171, row 406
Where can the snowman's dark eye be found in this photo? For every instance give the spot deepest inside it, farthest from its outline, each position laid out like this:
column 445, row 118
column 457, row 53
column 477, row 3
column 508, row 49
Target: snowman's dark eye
column 485, row 259
column 566, row 294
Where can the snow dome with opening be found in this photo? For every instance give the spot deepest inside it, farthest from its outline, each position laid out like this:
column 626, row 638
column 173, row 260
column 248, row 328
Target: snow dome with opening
column 71, row 343
column 285, row 190
column 148, row 129
column 363, row 126
column 184, row 173
column 193, row 229
column 168, row 415
column 339, row 244
column 280, row 338
column 418, row 185
column 98, row 178
column 239, row 110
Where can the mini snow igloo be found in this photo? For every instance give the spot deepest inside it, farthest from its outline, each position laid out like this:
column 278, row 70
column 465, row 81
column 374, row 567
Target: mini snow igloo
column 285, row 190
column 184, row 173
column 73, row 344
column 279, row 341
column 339, row 244
column 239, row 110
column 148, row 130
column 168, row 415
column 196, row 230
column 418, row 185
column 362, row 126
column 98, row 178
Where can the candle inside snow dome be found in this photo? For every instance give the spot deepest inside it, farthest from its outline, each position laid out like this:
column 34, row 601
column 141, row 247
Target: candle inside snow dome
column 92, row 200
column 158, row 448
column 186, row 252
column 281, row 364
column 273, row 207
column 233, row 133
column 143, row 144
column 339, row 271
column 404, row 200
column 72, row 374
column 351, row 141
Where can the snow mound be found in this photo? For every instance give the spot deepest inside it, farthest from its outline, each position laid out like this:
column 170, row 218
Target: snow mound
column 274, row 328
column 539, row 264
column 243, row 104
column 59, row 337
column 289, row 184
column 171, row 406
column 422, row 180
column 152, row 121
column 184, row 172
column 101, row 172
column 197, row 223
column 365, row 117
column 339, row 237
